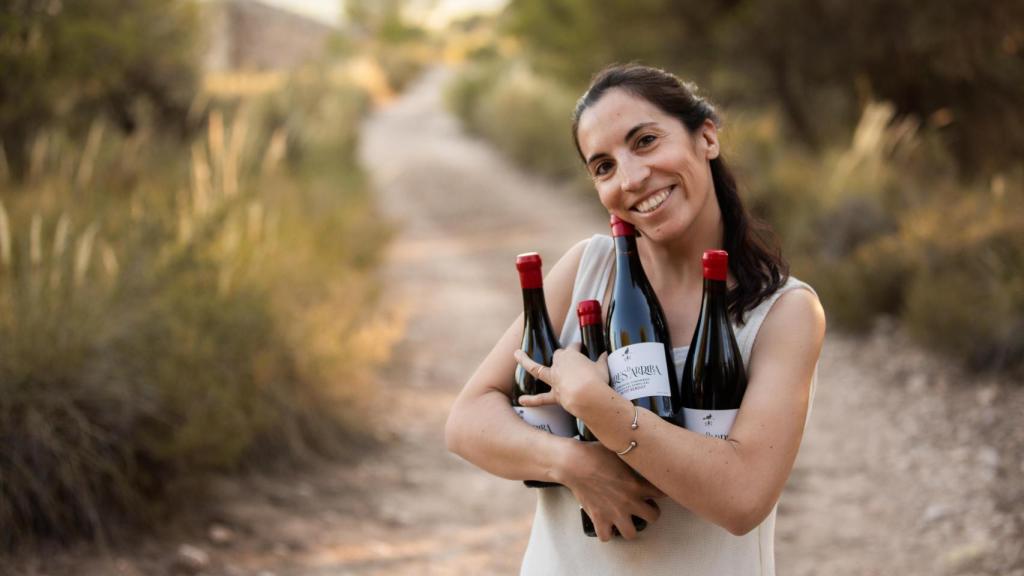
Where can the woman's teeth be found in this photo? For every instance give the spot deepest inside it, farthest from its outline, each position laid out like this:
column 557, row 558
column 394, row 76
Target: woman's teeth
column 653, row 202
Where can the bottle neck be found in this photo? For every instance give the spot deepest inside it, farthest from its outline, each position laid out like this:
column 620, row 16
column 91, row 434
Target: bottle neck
column 715, row 302
column 592, row 336
column 535, row 308
column 627, row 258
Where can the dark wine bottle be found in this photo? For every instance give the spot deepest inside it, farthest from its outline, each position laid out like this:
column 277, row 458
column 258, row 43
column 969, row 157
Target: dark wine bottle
column 592, row 334
column 714, row 379
column 539, row 344
column 639, row 348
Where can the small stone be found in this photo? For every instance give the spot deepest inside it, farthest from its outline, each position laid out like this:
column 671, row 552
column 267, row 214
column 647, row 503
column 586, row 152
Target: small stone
column 917, row 383
column 988, row 456
column 966, row 554
column 191, row 559
column 936, row 512
column 987, row 395
column 220, row 534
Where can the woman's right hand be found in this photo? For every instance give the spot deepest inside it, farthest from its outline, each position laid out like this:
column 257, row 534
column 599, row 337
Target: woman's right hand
column 609, row 490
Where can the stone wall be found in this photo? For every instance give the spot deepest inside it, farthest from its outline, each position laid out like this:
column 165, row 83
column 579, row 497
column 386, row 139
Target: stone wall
column 248, row 35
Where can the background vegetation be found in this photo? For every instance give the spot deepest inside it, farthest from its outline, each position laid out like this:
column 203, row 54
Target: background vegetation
column 186, row 277
column 882, row 140
column 187, row 273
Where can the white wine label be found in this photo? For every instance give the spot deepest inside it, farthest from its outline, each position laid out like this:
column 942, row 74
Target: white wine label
column 639, row 370
column 714, row 423
column 552, row 418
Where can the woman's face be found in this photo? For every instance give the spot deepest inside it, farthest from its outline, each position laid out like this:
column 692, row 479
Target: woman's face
column 647, row 167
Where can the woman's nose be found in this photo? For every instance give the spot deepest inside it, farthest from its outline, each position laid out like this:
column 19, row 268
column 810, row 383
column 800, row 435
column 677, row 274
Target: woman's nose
column 633, row 174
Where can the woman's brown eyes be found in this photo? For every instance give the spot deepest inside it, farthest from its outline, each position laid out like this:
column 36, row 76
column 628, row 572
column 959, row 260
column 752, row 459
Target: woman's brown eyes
column 641, row 142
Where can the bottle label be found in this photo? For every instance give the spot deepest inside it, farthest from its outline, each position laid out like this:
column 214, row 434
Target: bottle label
column 714, row 423
column 552, row 418
column 639, row 370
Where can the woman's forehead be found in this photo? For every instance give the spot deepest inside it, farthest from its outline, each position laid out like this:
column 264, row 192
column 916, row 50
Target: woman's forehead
column 607, row 121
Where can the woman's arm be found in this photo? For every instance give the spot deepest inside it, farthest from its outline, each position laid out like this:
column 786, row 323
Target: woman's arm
column 735, row 482
column 483, row 429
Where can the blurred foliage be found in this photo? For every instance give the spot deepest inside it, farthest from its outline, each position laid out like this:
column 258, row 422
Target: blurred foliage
column 959, row 64
column 170, row 310
column 516, row 109
column 382, row 19
column 381, row 30
column 883, row 227
column 882, row 141
column 68, row 63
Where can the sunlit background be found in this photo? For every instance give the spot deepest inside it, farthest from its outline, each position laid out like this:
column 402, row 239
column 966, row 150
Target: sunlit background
column 192, row 257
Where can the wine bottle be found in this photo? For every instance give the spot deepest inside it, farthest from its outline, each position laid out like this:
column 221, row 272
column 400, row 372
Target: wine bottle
column 713, row 380
column 592, row 334
column 539, row 344
column 639, row 348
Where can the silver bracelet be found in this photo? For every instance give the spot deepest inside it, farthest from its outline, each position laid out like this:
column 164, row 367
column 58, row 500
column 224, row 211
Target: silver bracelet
column 633, row 426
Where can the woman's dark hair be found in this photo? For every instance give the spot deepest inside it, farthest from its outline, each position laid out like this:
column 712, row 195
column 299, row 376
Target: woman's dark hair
column 755, row 258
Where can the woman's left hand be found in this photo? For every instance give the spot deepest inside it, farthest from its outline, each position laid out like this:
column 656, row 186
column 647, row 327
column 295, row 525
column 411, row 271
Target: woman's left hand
column 572, row 376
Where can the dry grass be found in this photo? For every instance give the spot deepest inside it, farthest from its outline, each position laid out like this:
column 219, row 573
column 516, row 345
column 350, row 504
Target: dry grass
column 163, row 309
column 885, row 226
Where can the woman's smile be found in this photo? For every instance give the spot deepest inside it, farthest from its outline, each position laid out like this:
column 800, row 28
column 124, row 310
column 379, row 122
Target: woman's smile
column 654, row 201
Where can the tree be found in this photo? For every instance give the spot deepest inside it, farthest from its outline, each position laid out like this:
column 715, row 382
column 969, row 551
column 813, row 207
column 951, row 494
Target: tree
column 66, row 63
column 959, row 64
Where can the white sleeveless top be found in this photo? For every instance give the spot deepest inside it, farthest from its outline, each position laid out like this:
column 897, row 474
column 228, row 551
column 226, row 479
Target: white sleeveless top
column 679, row 543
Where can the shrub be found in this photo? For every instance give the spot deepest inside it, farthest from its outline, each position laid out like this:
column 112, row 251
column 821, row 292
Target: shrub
column 160, row 310
column 885, row 227
column 967, row 297
column 882, row 225
column 465, row 91
column 524, row 115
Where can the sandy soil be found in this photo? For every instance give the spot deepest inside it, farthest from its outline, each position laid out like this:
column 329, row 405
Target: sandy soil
column 905, row 469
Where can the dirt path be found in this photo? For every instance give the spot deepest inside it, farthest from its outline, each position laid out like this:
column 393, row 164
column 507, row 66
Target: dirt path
column 904, row 470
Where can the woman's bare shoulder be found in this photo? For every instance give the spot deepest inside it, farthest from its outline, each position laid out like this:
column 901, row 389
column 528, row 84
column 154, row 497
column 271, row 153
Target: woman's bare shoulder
column 795, row 324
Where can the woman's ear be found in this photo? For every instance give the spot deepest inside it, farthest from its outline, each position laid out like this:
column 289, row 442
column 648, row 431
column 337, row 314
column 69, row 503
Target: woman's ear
column 708, row 136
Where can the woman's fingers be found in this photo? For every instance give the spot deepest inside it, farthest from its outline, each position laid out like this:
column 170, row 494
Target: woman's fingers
column 626, row 528
column 602, row 527
column 534, row 400
column 649, row 512
column 538, row 371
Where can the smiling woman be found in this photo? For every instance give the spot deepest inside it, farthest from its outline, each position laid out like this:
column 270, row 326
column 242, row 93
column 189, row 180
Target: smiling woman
column 651, row 147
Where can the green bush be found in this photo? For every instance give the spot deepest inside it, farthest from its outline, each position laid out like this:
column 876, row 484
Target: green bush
column 885, row 227
column 403, row 63
column 967, row 297
column 466, row 90
column 66, row 63
column 524, row 115
column 161, row 310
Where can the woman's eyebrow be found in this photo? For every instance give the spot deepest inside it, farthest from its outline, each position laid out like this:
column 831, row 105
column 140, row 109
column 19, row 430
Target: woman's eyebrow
column 635, row 129
column 626, row 139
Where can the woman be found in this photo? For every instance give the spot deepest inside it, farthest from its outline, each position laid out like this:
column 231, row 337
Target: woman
column 651, row 146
